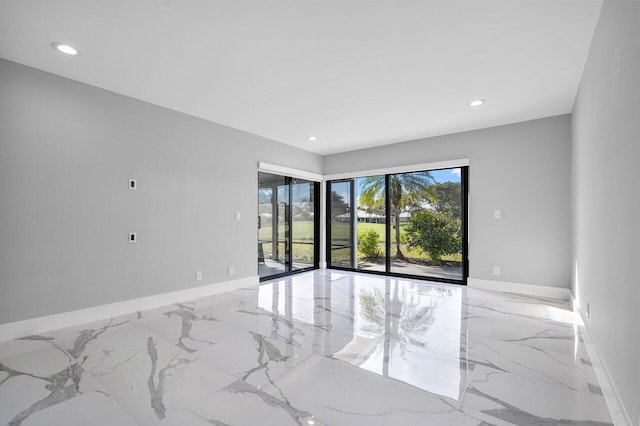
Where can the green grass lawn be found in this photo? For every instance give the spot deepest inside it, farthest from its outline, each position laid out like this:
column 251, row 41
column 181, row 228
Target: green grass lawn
column 302, row 237
column 303, row 230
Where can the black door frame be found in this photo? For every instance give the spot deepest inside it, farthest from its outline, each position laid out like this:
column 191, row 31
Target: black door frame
column 353, row 250
column 464, row 181
column 289, row 227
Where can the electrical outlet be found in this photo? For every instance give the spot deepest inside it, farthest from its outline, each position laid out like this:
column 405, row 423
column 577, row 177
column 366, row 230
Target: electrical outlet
column 199, row 276
column 237, row 215
column 497, row 214
column 496, row 270
column 230, row 270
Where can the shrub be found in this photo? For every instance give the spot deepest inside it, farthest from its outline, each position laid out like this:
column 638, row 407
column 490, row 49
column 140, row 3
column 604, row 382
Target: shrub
column 434, row 233
column 368, row 244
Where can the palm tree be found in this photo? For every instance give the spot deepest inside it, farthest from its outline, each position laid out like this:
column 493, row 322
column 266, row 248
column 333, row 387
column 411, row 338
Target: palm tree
column 405, row 190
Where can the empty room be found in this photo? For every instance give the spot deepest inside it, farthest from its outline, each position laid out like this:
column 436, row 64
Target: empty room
column 293, row 212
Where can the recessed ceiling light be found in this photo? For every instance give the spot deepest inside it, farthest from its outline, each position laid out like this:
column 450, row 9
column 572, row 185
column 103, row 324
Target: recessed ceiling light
column 312, row 139
column 477, row 102
column 65, row 48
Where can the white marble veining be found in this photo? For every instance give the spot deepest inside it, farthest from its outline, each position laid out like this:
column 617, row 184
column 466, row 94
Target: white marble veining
column 323, row 348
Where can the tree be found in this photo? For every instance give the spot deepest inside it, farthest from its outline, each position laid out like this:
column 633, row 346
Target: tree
column 435, row 233
column 338, row 205
column 405, row 190
column 448, row 198
column 303, row 210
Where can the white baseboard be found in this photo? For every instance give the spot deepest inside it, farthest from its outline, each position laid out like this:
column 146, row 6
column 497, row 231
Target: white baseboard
column 619, row 415
column 528, row 289
column 17, row 329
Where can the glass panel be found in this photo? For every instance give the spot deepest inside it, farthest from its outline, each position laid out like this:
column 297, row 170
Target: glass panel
column 370, row 232
column 273, row 195
column 341, row 223
column 284, row 223
column 303, row 230
column 426, row 223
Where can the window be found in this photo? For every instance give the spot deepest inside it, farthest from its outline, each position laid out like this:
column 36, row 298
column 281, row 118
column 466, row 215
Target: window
column 406, row 224
column 287, row 225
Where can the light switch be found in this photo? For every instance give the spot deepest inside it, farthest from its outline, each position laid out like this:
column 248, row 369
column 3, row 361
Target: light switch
column 237, row 215
column 133, row 237
column 133, row 184
column 497, row 214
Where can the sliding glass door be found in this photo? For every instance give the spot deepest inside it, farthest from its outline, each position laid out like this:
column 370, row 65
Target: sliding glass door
column 303, row 224
column 406, row 224
column 273, row 227
column 371, row 223
column 340, row 196
column 426, row 221
column 287, row 225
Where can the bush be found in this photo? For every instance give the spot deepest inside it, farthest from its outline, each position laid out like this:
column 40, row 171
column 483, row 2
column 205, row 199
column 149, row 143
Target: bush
column 434, row 233
column 368, row 244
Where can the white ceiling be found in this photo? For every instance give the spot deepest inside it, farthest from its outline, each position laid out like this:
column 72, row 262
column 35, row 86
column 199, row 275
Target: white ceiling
column 353, row 73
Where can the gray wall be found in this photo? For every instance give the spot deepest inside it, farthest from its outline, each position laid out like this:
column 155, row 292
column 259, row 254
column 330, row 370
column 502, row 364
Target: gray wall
column 522, row 169
column 67, row 151
column 606, row 234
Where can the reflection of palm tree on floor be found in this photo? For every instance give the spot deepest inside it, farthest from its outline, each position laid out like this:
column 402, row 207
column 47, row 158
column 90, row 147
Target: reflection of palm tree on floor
column 406, row 190
column 393, row 318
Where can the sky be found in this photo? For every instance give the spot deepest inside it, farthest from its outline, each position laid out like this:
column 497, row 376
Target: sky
column 440, row 176
column 446, row 175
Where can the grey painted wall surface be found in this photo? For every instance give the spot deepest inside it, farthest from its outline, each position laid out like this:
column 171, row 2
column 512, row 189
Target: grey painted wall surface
column 605, row 174
column 67, row 151
column 522, row 169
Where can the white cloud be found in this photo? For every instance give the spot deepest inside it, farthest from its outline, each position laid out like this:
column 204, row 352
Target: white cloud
column 455, row 172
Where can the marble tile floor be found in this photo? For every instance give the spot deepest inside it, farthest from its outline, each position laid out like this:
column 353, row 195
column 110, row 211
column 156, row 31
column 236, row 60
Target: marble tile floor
column 323, row 348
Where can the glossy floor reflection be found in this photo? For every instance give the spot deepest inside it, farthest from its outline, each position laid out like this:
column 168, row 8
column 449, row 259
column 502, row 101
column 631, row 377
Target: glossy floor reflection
column 324, row 347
